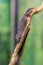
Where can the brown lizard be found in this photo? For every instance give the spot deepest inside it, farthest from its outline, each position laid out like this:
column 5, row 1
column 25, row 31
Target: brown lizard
column 23, row 24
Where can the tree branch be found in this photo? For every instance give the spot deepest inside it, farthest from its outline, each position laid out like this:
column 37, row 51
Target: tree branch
column 17, row 51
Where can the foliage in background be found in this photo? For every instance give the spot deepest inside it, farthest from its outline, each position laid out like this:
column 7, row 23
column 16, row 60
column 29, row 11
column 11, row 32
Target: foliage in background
column 4, row 31
column 33, row 50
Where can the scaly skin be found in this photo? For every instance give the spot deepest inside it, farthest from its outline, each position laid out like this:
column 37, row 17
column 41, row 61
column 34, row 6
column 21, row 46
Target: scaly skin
column 23, row 23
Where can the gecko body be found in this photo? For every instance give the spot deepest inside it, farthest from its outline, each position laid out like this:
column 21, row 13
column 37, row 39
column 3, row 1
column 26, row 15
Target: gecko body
column 22, row 24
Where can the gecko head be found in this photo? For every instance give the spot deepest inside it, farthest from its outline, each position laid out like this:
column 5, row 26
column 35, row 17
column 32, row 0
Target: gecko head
column 29, row 12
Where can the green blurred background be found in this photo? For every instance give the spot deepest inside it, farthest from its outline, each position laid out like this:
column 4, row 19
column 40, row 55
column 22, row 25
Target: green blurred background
column 5, row 31
column 33, row 50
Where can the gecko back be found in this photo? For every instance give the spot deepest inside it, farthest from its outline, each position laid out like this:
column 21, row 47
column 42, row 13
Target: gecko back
column 22, row 24
column 21, row 27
